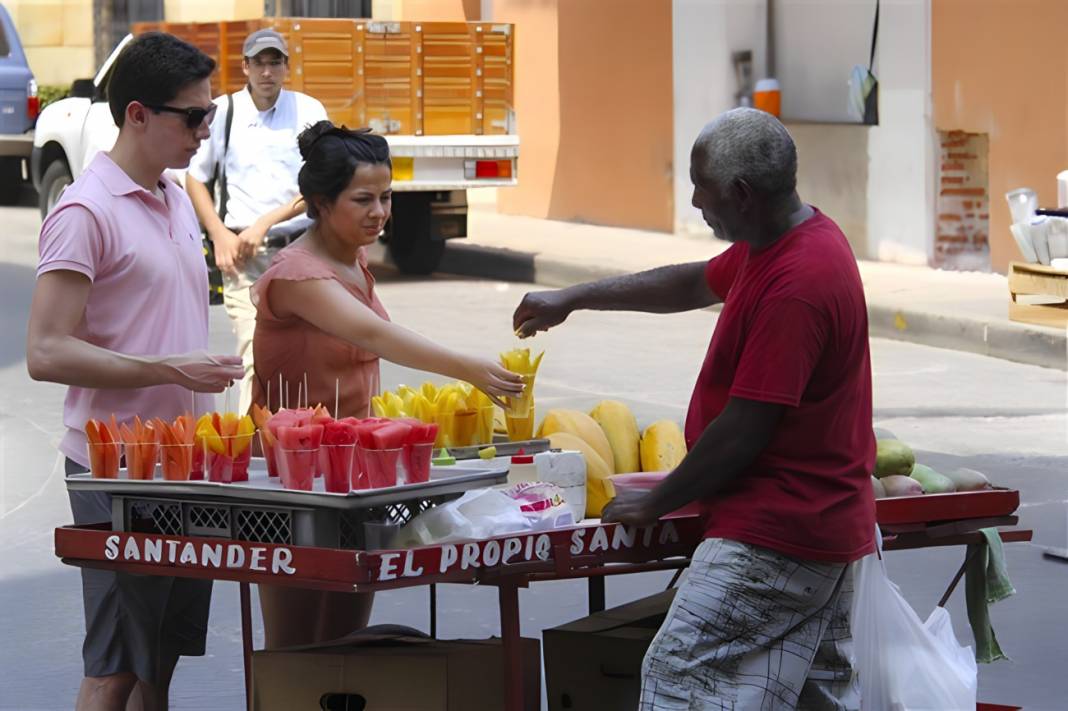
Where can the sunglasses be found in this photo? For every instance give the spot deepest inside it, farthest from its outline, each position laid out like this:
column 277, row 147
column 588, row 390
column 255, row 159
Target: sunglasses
column 194, row 116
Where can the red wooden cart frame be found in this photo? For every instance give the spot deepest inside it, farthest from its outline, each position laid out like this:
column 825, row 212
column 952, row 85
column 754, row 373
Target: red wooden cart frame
column 590, row 551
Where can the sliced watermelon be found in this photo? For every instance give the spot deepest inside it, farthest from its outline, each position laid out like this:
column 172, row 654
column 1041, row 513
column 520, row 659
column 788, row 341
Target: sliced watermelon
column 364, row 430
column 270, row 453
column 339, row 433
column 220, row 468
column 197, row 472
column 302, row 437
column 390, row 436
column 423, row 433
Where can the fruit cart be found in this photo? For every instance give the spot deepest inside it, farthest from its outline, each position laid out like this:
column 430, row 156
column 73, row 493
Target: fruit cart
column 143, row 544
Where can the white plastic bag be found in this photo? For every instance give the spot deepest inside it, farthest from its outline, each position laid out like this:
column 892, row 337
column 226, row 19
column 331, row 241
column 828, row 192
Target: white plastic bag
column 904, row 664
column 479, row 513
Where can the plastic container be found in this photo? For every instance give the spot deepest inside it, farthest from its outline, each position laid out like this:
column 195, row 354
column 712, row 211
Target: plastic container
column 767, row 96
column 337, row 462
column 104, row 460
column 385, row 467
column 270, row 454
column 519, row 407
column 176, row 461
column 522, row 468
column 141, row 460
column 417, row 466
column 296, row 468
column 1022, row 205
column 568, row 471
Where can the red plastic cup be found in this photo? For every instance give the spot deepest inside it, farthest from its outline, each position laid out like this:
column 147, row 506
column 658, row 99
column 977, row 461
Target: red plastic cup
column 296, row 468
column 418, row 462
column 384, row 467
column 270, row 455
column 336, row 461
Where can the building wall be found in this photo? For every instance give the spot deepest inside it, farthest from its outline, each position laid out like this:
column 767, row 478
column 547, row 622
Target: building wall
column 999, row 68
column 57, row 36
column 705, row 36
column 901, row 149
column 211, row 10
column 594, row 106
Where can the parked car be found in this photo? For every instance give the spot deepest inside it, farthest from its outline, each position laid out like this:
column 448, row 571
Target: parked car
column 19, row 105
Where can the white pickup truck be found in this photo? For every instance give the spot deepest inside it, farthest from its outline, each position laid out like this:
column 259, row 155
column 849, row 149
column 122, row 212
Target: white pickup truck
column 430, row 177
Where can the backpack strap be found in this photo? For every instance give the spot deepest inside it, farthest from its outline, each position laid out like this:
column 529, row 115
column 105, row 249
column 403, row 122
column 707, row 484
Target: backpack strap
column 224, row 194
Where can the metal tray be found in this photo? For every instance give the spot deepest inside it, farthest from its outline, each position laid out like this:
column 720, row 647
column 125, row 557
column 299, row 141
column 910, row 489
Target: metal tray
column 928, row 508
column 261, row 489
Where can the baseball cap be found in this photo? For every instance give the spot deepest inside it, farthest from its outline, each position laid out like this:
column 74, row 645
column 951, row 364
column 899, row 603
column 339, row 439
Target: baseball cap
column 264, row 39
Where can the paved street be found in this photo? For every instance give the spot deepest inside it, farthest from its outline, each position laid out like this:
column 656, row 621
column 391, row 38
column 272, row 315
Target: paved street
column 956, row 409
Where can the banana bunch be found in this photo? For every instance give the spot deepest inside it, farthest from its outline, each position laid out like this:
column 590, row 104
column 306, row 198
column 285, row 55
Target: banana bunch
column 463, row 413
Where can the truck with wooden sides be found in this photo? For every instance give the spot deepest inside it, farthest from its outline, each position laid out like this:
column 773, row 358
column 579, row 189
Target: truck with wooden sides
column 440, row 92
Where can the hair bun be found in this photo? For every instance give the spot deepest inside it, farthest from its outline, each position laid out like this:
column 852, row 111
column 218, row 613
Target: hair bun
column 311, row 134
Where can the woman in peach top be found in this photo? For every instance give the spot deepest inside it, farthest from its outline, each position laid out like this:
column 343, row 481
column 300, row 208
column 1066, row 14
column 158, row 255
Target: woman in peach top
column 318, row 316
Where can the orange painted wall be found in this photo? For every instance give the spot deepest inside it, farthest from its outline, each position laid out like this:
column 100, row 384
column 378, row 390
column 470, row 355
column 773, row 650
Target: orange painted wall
column 999, row 68
column 594, row 99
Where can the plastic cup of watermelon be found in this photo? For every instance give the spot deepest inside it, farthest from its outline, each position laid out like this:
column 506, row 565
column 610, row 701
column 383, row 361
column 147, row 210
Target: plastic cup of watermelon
column 197, row 472
column 219, row 467
column 270, row 455
column 359, row 470
column 104, row 460
column 296, row 468
column 385, row 467
column 141, row 460
column 176, row 461
column 418, row 462
column 337, row 461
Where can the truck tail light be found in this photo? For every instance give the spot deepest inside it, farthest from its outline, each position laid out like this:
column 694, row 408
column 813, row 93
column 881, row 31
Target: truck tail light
column 474, row 169
column 33, row 102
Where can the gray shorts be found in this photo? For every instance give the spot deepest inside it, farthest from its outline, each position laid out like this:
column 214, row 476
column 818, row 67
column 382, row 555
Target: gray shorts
column 136, row 623
column 752, row 629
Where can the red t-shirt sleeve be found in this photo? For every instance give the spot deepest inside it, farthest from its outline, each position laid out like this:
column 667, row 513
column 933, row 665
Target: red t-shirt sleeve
column 721, row 271
column 783, row 345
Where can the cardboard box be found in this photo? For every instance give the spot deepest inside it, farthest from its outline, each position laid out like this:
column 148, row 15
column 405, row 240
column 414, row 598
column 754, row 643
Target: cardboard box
column 595, row 663
column 391, row 673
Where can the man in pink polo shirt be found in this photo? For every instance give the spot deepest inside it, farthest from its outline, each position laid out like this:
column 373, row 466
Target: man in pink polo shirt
column 779, row 434
column 120, row 314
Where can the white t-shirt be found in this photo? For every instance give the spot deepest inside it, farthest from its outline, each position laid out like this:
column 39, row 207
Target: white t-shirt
column 262, row 161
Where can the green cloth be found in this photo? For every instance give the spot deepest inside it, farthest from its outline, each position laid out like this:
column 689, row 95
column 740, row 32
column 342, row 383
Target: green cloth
column 986, row 580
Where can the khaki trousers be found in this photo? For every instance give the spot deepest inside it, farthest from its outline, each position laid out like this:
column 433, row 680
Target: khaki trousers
column 237, row 299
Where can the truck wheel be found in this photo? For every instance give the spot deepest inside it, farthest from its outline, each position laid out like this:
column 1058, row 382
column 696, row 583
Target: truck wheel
column 10, row 180
column 55, row 180
column 411, row 245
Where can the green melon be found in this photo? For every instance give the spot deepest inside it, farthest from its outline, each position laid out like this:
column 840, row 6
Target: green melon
column 893, row 458
column 931, row 481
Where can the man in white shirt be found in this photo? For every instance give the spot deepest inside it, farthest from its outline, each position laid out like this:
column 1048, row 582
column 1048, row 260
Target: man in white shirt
column 262, row 210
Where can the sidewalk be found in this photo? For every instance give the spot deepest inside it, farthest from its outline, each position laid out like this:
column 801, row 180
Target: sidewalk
column 966, row 311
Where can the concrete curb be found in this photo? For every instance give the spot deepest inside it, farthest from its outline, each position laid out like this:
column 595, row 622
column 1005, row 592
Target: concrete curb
column 1002, row 339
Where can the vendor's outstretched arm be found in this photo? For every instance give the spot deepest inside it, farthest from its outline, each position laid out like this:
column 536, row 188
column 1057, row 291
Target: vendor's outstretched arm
column 329, row 306
column 671, row 289
column 55, row 354
column 726, row 448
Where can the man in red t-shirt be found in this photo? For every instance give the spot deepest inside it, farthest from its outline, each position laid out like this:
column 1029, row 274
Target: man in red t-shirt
column 778, row 430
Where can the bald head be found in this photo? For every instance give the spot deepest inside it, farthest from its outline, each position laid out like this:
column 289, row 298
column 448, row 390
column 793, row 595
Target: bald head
column 749, row 145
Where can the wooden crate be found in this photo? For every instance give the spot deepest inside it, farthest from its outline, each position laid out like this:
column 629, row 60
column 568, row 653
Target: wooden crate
column 1038, row 280
column 414, row 78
